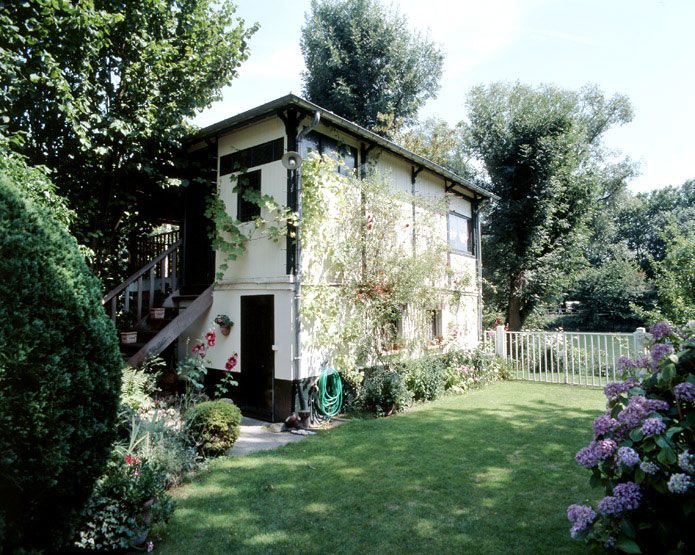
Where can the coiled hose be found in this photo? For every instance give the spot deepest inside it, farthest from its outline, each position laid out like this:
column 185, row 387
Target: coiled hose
column 329, row 395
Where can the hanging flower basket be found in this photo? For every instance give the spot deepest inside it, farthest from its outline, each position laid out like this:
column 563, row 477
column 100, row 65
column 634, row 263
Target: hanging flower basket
column 225, row 324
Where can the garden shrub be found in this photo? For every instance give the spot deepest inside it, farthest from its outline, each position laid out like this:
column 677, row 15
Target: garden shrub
column 642, row 453
column 425, row 377
column 384, row 391
column 60, row 372
column 129, row 501
column 214, row 426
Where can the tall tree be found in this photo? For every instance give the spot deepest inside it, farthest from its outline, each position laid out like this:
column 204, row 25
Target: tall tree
column 99, row 92
column 541, row 151
column 365, row 64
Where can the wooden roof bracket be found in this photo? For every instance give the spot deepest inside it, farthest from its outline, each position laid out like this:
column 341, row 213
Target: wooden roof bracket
column 414, row 173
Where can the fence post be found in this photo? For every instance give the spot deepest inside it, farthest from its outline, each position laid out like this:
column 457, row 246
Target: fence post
column 500, row 342
column 564, row 356
column 640, row 336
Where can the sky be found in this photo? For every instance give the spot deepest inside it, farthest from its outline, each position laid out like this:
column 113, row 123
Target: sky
column 644, row 49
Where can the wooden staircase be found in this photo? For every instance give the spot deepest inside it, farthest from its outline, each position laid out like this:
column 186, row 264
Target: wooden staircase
column 155, row 285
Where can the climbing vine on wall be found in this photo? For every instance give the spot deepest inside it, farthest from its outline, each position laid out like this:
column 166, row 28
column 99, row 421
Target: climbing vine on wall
column 230, row 237
column 369, row 281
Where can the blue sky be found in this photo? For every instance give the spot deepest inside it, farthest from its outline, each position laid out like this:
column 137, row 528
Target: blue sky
column 642, row 48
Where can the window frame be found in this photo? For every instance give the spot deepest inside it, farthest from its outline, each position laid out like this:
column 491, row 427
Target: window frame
column 470, row 248
column 242, row 203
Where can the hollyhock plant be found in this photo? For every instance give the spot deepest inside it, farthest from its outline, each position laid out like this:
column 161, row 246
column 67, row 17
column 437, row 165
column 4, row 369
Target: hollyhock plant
column 641, row 453
column 211, row 337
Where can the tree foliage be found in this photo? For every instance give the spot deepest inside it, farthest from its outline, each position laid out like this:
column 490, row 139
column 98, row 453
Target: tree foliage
column 608, row 293
column 437, row 141
column 542, row 154
column 99, row 92
column 60, row 372
column 364, row 64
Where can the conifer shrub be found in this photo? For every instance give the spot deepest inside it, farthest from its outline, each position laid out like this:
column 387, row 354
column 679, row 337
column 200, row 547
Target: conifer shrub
column 214, row 426
column 60, row 372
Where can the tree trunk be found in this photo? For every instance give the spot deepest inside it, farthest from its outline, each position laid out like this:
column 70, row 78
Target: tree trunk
column 514, row 318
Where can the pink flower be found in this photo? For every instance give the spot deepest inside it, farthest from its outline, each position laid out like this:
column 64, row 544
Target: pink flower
column 231, row 362
column 130, row 459
column 211, row 337
column 198, row 349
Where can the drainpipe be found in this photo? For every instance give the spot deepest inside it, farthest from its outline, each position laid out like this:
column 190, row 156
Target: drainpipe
column 479, row 263
column 298, row 269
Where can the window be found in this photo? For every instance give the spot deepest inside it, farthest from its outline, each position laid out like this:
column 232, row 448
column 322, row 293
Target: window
column 434, row 330
column 247, row 190
column 328, row 146
column 252, row 157
column 460, row 233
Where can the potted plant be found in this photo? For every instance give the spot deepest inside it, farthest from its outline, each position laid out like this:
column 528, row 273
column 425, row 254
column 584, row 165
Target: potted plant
column 225, row 323
column 125, row 322
column 158, row 313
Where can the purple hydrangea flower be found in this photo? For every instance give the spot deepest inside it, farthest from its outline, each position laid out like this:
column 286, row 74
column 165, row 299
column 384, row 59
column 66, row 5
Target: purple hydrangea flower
column 628, row 456
column 629, row 494
column 685, row 461
column 685, row 392
column 636, row 411
column 679, row 483
column 626, row 363
column 649, row 467
column 660, row 330
column 604, row 424
column 657, row 405
column 580, row 516
column 596, row 451
column 653, row 427
column 605, row 448
column 610, row 505
column 613, row 390
column 659, row 351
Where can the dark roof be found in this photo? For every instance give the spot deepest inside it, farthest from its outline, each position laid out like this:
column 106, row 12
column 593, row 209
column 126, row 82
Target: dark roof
column 271, row 108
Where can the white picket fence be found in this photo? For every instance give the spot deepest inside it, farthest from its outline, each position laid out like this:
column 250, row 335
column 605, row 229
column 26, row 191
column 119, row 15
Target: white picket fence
column 577, row 358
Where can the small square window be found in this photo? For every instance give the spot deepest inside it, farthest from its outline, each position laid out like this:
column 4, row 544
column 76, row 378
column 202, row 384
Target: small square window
column 248, row 190
column 460, row 233
column 434, row 326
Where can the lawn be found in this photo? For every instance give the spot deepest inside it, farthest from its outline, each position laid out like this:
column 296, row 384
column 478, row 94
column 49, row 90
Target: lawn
column 488, row 472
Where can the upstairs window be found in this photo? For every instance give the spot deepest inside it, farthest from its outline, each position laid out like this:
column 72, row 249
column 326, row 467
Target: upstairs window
column 327, row 146
column 248, row 191
column 460, row 233
column 252, row 156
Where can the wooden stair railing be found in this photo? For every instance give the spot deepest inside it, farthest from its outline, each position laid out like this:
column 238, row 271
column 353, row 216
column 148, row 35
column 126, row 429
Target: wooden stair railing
column 167, row 335
column 167, row 261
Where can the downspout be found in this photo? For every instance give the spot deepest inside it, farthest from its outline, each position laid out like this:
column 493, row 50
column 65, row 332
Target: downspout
column 298, row 268
column 479, row 263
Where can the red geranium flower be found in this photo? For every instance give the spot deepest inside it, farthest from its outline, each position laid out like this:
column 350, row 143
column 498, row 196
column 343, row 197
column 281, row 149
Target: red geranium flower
column 130, row 459
column 211, row 337
column 231, row 362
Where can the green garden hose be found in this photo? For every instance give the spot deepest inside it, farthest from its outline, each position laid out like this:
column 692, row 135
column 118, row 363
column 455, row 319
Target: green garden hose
column 329, row 397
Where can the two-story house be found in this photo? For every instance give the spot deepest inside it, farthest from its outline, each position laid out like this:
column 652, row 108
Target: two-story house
column 259, row 291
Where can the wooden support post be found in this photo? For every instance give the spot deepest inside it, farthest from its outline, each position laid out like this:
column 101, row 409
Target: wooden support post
column 139, row 298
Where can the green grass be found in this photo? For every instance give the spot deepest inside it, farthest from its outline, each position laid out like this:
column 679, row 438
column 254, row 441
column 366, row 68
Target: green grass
column 488, row 472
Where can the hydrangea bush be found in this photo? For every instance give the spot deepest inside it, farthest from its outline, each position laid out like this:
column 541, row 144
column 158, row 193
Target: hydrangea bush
column 642, row 452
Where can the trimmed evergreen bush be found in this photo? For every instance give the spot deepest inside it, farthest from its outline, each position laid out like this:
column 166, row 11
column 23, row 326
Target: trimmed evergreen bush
column 214, row 426
column 60, row 372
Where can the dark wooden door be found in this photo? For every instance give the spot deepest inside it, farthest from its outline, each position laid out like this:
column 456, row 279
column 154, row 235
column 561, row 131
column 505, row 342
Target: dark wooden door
column 257, row 356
